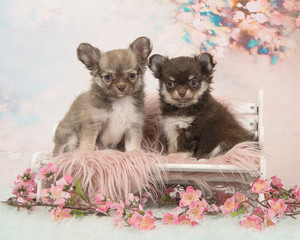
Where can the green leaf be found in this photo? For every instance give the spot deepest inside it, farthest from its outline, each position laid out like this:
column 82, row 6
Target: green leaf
column 285, row 196
column 165, row 198
column 129, row 216
column 69, row 202
column 76, row 213
column 239, row 212
column 141, row 212
column 80, row 192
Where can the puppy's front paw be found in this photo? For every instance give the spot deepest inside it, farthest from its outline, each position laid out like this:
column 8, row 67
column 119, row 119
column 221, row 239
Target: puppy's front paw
column 186, row 140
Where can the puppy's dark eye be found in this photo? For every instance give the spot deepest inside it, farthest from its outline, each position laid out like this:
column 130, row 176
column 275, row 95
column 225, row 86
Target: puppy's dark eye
column 132, row 76
column 108, row 77
column 170, row 84
column 193, row 82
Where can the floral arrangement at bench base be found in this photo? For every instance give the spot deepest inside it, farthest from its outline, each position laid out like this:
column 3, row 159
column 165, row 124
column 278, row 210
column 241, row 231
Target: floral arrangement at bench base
column 64, row 200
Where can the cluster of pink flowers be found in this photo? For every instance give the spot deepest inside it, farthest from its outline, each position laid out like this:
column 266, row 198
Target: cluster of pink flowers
column 103, row 203
column 25, row 187
column 190, row 209
column 48, row 172
column 142, row 220
column 67, row 199
column 274, row 206
column 131, row 212
column 232, row 204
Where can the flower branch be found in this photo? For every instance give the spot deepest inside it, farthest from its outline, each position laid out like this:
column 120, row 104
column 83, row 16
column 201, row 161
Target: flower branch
column 66, row 198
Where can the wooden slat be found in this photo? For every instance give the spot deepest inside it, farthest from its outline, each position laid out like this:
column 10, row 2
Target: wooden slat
column 54, row 130
column 173, row 167
column 249, row 124
column 247, row 109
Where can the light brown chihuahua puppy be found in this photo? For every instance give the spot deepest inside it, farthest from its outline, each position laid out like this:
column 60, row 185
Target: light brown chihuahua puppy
column 112, row 110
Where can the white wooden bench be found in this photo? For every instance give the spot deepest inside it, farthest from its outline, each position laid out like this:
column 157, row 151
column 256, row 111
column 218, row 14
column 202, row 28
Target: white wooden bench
column 211, row 173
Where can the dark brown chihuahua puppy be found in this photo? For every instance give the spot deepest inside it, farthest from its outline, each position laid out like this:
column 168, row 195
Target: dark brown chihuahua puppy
column 192, row 119
column 113, row 109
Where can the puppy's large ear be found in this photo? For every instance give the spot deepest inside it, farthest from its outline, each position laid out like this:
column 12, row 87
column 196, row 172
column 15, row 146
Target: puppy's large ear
column 88, row 55
column 206, row 62
column 156, row 64
column 141, row 47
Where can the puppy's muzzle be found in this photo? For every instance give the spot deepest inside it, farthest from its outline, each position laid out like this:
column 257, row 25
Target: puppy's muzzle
column 121, row 88
column 181, row 93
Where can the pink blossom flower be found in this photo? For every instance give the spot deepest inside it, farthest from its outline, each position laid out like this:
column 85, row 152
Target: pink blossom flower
column 278, row 207
column 120, row 209
column 45, row 195
column 169, row 218
column 100, row 198
column 251, row 222
column 132, row 200
column 277, row 182
column 296, row 191
column 47, row 172
column 103, row 206
column 148, row 221
column 27, row 176
column 114, row 205
column 183, row 220
column 188, row 196
column 195, row 212
column 58, row 195
column 25, row 189
column 60, row 214
column 261, row 186
column 54, row 195
column 146, row 196
column 229, row 206
column 214, row 208
column 239, row 197
column 259, row 211
column 135, row 220
column 65, row 183
column 201, row 204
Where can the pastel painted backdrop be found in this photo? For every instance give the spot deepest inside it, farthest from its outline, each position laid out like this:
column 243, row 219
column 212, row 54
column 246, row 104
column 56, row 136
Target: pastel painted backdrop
column 256, row 45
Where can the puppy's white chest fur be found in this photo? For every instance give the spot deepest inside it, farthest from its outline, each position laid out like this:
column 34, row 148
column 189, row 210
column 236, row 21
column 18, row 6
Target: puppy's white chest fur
column 171, row 126
column 121, row 117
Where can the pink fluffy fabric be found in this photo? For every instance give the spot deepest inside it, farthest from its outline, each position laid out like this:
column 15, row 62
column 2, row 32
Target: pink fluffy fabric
column 119, row 173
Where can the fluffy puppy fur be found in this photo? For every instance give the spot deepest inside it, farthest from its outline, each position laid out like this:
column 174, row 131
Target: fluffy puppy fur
column 193, row 121
column 112, row 110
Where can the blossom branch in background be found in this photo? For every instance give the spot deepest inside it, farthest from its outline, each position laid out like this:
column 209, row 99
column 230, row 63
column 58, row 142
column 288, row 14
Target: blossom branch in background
column 260, row 26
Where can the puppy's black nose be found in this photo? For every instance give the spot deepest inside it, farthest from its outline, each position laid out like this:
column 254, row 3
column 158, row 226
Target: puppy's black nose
column 121, row 88
column 181, row 93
